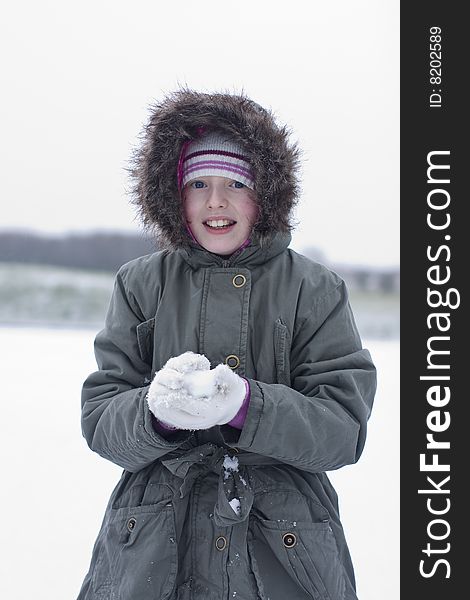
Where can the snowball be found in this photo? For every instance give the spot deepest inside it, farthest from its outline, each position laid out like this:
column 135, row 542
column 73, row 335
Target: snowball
column 188, row 362
column 199, row 383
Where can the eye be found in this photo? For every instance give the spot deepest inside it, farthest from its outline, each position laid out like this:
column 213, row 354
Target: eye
column 238, row 184
column 197, row 184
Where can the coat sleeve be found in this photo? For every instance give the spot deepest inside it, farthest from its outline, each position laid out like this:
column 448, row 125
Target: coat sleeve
column 116, row 420
column 319, row 422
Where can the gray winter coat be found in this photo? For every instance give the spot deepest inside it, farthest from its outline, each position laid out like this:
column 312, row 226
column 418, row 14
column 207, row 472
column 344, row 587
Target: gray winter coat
column 275, row 317
column 169, row 532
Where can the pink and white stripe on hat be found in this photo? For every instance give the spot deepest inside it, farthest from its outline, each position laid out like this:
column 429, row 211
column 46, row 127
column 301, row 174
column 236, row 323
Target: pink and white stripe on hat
column 214, row 154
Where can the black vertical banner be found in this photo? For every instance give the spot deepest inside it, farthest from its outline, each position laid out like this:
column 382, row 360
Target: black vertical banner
column 435, row 259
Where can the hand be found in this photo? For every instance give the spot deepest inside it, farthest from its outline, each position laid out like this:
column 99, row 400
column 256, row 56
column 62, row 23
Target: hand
column 220, row 391
column 187, row 394
column 166, row 393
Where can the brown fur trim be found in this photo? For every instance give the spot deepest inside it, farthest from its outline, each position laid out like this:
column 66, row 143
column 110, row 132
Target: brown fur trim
column 176, row 119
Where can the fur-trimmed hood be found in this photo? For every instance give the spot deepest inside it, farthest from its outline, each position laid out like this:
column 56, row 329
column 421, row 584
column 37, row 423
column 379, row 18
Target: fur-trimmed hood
column 177, row 119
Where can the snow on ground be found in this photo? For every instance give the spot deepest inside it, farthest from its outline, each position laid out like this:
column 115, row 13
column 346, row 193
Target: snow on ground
column 369, row 491
column 54, row 489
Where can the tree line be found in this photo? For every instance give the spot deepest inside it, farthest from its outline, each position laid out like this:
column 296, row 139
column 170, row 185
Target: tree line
column 105, row 251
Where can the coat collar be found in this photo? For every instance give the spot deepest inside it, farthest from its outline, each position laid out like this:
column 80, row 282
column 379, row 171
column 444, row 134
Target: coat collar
column 253, row 254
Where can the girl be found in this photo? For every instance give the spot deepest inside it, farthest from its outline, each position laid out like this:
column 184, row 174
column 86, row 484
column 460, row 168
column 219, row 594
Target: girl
column 231, row 376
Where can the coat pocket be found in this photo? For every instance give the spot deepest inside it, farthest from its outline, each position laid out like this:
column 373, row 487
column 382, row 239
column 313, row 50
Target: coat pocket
column 145, row 335
column 282, row 352
column 136, row 553
column 295, row 560
column 292, row 548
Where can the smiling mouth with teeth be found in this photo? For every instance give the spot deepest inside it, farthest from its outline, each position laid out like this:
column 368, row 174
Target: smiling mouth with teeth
column 219, row 223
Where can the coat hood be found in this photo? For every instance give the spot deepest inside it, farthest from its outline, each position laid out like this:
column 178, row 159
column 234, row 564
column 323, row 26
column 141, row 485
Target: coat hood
column 178, row 119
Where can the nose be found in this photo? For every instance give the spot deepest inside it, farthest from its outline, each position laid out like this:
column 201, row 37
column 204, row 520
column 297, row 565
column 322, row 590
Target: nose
column 216, row 198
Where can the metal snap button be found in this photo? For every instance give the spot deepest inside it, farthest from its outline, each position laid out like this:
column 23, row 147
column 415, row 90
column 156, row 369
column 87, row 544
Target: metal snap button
column 239, row 280
column 131, row 523
column 289, row 540
column 232, row 361
column 221, row 542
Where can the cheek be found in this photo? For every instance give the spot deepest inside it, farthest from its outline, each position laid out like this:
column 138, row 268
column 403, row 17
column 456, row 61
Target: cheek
column 251, row 210
column 188, row 208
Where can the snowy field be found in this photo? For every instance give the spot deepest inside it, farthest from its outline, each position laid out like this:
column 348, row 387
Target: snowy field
column 54, row 489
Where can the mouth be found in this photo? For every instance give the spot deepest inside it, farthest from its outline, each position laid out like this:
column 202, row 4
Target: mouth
column 219, row 224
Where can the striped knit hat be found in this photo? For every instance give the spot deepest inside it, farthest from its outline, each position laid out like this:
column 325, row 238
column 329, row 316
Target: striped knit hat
column 214, row 154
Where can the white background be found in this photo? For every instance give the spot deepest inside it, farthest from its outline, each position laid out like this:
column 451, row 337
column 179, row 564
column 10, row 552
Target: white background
column 78, row 78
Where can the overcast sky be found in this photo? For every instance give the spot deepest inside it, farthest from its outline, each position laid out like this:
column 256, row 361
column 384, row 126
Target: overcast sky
column 78, row 78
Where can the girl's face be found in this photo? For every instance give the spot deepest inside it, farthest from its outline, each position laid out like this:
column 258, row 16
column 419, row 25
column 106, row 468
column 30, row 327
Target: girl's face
column 220, row 212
